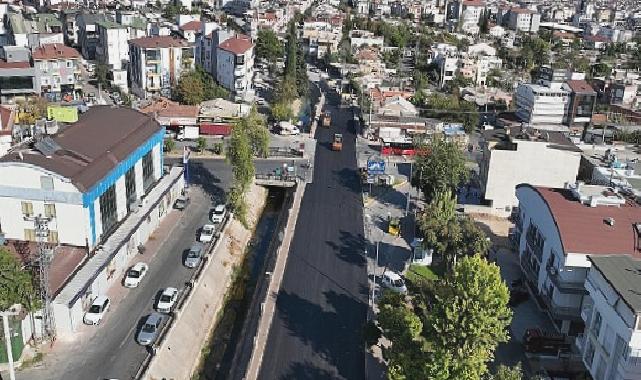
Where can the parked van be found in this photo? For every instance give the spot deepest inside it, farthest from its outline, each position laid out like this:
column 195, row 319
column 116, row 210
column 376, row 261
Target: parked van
column 286, row 128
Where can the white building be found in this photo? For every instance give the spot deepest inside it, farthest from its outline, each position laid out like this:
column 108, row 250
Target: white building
column 156, row 63
column 112, row 48
column 557, row 229
column 57, row 72
column 523, row 20
column 470, row 14
column 359, row 38
column 235, row 64
column 102, row 187
column 541, row 105
column 611, row 342
column 513, row 156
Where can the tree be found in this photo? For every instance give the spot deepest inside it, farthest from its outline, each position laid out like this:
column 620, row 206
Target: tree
column 484, row 22
column 190, row 89
column 249, row 138
column 504, row 372
column 32, row 110
column 441, row 168
column 201, row 143
column 268, row 46
column 469, row 319
column 450, row 235
column 102, row 73
column 449, row 331
column 16, row 284
column 282, row 111
column 170, row 145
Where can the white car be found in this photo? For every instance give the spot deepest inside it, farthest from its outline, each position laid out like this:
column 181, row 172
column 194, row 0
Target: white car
column 167, row 300
column 394, row 282
column 97, row 310
column 218, row 214
column 135, row 274
column 207, row 233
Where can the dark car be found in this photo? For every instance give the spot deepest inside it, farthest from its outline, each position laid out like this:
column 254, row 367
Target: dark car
column 181, row 203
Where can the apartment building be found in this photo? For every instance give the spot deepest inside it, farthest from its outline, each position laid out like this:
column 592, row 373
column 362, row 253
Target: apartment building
column 558, row 231
column 57, row 72
column 17, row 76
column 359, row 38
column 156, row 63
column 522, row 20
column 112, row 48
column 541, row 105
column 235, row 64
column 207, row 40
column 610, row 344
column 581, row 104
column 518, row 155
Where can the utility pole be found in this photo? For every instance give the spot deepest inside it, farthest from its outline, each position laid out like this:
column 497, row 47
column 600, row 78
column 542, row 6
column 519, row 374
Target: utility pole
column 375, row 268
column 45, row 253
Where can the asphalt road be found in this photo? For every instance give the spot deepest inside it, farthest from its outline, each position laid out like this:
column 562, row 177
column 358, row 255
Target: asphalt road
column 111, row 350
column 322, row 304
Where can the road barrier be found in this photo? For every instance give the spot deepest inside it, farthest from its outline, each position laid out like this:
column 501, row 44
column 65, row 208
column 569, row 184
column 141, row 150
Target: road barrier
column 184, row 297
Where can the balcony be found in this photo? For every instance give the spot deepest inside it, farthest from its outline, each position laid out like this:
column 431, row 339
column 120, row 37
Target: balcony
column 568, row 287
column 561, row 312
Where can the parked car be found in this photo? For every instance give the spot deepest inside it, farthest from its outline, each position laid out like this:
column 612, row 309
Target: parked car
column 181, row 203
column 285, row 128
column 207, row 233
column 135, row 274
column 167, row 300
column 218, row 213
column 149, row 331
column 421, row 255
column 97, row 310
column 394, row 282
column 518, row 293
column 194, row 255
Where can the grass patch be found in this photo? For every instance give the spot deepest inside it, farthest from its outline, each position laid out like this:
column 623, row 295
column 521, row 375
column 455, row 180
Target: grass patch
column 417, row 273
column 36, row 359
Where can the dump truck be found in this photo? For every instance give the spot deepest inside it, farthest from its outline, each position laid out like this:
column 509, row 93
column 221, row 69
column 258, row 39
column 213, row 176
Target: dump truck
column 327, row 119
column 337, row 145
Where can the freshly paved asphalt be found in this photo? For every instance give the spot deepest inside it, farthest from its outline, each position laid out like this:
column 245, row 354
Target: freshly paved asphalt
column 112, row 352
column 322, row 303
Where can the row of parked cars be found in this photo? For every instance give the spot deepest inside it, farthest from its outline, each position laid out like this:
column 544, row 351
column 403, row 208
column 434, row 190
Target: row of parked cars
column 167, row 298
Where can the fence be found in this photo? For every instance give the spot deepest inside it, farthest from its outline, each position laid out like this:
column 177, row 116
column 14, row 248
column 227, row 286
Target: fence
column 284, row 152
column 182, row 299
column 243, row 353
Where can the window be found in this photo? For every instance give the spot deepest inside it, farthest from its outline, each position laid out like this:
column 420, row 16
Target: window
column 596, row 325
column 46, row 182
column 27, row 208
column 108, row 209
column 29, row 234
column 53, row 237
column 589, row 354
column 69, row 64
column 130, row 188
column 147, row 171
column 50, row 210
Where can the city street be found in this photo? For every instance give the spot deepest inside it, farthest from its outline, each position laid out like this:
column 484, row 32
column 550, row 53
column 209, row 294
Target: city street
column 322, row 304
column 109, row 350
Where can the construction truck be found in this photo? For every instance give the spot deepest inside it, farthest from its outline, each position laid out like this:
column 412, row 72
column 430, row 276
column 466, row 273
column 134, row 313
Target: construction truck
column 327, row 119
column 337, row 145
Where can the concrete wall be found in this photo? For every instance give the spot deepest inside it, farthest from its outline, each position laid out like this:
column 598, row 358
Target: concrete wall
column 536, row 163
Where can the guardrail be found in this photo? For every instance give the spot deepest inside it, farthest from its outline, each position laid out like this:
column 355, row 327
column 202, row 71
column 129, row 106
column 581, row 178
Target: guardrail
column 184, row 296
column 261, row 293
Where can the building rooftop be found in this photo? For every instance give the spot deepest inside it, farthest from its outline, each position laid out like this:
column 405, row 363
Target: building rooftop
column 54, row 51
column 606, row 229
column 109, row 24
column 192, row 25
column 14, row 65
column 159, row 42
column 86, row 151
column 556, row 140
column 166, row 108
column 580, row 86
column 624, row 275
column 237, row 45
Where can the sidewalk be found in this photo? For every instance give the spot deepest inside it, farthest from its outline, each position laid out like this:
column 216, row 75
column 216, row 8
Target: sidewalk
column 180, row 353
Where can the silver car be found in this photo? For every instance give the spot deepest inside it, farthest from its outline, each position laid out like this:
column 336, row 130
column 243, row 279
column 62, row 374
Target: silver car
column 149, row 331
column 194, row 255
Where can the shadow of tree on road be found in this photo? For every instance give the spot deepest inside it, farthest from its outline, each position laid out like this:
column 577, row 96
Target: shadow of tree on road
column 306, row 371
column 350, row 248
column 341, row 349
column 200, row 175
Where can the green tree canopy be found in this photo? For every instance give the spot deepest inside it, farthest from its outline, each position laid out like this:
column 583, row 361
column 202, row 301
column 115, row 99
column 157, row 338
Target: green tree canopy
column 196, row 86
column 441, row 168
column 282, row 111
column 16, row 284
column 451, row 330
column 268, row 46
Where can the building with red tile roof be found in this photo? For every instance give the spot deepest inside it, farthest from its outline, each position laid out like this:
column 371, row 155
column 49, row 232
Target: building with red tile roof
column 54, row 51
column 557, row 229
column 235, row 64
column 237, row 45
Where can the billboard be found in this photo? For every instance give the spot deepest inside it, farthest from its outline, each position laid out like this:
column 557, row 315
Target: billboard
column 375, row 166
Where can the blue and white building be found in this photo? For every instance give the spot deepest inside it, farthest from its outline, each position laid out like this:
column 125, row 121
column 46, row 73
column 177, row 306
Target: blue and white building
column 102, row 186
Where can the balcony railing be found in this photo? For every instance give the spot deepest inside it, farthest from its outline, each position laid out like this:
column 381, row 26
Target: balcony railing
column 529, row 271
column 563, row 286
